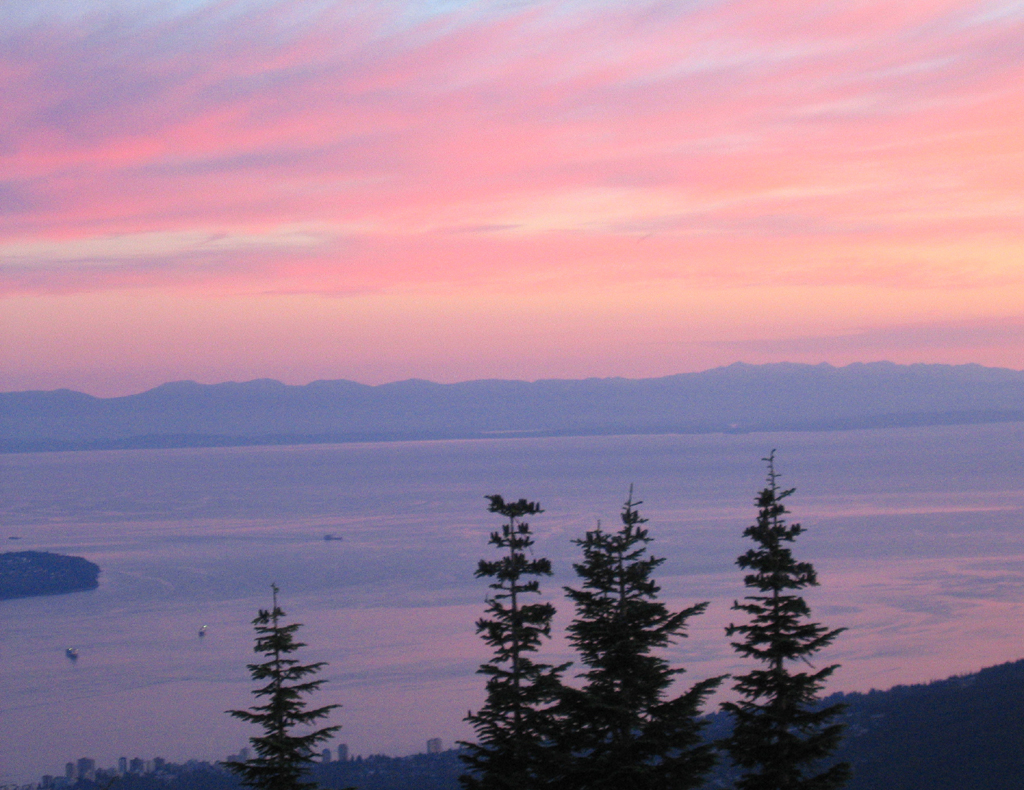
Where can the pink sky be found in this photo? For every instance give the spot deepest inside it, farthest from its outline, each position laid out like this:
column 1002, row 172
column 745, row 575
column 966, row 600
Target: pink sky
column 455, row 190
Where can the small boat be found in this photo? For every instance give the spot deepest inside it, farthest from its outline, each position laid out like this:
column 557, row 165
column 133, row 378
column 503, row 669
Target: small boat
column 202, row 632
column 331, row 536
column 71, row 653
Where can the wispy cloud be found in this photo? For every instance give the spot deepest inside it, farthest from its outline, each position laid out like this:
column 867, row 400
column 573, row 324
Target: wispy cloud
column 466, row 143
column 158, row 245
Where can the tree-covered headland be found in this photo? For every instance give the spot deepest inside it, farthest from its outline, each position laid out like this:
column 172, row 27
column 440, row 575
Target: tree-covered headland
column 24, row 574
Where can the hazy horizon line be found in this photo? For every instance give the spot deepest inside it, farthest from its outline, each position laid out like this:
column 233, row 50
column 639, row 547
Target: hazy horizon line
column 738, row 363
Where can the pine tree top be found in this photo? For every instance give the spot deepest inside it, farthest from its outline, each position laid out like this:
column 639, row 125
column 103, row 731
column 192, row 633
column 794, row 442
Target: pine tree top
column 622, row 729
column 282, row 756
column 617, row 600
column 780, row 734
column 515, row 725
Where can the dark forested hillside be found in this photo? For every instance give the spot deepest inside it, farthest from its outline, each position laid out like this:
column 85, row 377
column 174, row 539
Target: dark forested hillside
column 963, row 733
column 736, row 398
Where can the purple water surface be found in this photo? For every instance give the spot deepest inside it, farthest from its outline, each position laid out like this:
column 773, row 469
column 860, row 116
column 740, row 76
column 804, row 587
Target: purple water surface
column 918, row 536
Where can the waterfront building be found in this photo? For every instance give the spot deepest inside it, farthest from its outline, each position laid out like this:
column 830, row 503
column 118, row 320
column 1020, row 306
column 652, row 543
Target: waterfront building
column 87, row 768
column 342, row 752
column 241, row 757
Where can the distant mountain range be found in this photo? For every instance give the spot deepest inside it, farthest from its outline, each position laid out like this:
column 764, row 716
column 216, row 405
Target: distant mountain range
column 737, row 398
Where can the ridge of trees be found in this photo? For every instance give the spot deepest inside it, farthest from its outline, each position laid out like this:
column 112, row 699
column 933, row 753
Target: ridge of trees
column 621, row 729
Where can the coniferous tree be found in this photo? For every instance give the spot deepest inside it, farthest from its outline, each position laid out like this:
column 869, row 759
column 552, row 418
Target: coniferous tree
column 515, row 727
column 620, row 730
column 780, row 734
column 282, row 756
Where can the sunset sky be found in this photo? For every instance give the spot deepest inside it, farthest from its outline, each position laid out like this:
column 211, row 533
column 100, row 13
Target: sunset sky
column 378, row 190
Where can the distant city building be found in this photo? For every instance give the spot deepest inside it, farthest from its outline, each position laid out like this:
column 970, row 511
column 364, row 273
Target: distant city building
column 325, row 756
column 342, row 752
column 158, row 763
column 136, row 766
column 435, row 746
column 47, row 781
column 86, row 768
column 122, row 765
column 69, row 771
column 241, row 757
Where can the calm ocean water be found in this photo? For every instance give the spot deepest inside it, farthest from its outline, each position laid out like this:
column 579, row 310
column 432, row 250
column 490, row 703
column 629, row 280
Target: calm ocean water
column 918, row 537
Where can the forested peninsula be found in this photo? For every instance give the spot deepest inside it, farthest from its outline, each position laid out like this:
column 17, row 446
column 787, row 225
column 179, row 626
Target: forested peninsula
column 24, row 574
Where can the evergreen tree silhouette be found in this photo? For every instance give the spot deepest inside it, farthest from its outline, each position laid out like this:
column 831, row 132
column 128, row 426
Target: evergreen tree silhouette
column 779, row 732
column 620, row 732
column 282, row 757
column 515, row 727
